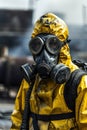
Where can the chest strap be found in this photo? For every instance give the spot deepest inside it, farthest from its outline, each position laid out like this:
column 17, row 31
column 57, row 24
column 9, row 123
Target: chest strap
column 47, row 118
column 52, row 117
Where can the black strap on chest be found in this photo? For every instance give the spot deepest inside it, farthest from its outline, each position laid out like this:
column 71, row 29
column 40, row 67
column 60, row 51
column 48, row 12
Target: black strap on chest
column 52, row 117
column 70, row 89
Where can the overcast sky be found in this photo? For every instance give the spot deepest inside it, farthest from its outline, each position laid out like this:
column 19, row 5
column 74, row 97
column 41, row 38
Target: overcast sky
column 72, row 9
column 14, row 4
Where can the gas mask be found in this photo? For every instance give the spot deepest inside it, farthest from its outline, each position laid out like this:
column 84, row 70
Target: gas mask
column 45, row 49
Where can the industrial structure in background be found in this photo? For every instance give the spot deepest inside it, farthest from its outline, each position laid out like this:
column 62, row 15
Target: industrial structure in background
column 15, row 31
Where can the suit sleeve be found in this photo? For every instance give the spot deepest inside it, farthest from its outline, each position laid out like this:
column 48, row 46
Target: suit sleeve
column 16, row 116
column 81, row 104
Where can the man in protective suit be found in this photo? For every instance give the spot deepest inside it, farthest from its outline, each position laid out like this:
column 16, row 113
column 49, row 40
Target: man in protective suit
column 42, row 100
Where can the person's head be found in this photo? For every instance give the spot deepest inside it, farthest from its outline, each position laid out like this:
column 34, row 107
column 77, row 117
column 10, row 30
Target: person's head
column 49, row 35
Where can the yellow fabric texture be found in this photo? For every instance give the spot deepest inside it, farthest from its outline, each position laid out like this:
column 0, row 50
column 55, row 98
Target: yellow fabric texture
column 47, row 96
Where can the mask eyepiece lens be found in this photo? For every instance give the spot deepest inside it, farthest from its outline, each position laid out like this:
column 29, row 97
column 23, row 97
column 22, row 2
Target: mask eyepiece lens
column 53, row 45
column 36, row 45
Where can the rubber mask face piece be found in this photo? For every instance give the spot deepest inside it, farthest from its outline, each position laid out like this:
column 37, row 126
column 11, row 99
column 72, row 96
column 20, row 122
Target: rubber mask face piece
column 45, row 48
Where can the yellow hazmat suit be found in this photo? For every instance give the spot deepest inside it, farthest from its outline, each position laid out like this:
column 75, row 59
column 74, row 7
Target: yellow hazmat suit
column 47, row 97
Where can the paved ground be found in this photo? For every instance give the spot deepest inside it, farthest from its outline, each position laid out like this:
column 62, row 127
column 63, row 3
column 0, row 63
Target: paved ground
column 6, row 108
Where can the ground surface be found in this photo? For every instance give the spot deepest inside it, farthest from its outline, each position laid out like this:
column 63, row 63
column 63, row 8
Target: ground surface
column 6, row 108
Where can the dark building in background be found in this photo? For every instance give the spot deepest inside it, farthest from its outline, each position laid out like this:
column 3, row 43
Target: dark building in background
column 15, row 28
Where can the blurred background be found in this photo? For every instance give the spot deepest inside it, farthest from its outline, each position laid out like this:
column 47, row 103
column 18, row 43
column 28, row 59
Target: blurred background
column 17, row 18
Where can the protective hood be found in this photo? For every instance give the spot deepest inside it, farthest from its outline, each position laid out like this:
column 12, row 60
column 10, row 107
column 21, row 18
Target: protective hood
column 50, row 23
